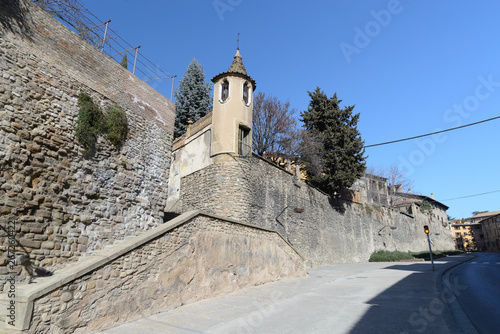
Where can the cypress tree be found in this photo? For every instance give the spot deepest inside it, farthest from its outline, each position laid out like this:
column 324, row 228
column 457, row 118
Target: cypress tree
column 192, row 98
column 343, row 157
column 124, row 61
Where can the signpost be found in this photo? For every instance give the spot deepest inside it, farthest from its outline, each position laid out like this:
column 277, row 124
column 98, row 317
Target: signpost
column 426, row 230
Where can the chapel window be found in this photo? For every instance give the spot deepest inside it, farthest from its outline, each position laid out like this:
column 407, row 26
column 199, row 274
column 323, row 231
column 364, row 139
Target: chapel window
column 225, row 90
column 246, row 92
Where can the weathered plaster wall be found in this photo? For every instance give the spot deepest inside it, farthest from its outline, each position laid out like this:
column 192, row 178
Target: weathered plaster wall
column 325, row 232
column 199, row 258
column 193, row 155
column 63, row 203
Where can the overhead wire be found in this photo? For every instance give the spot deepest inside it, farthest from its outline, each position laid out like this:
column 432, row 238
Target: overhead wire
column 406, row 139
column 468, row 196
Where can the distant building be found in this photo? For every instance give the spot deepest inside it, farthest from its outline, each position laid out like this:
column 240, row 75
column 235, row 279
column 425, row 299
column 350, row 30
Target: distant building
column 491, row 230
column 468, row 236
column 369, row 188
column 374, row 189
column 481, row 216
column 401, row 199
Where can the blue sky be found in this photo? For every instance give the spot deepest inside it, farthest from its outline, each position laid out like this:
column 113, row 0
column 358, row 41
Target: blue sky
column 410, row 67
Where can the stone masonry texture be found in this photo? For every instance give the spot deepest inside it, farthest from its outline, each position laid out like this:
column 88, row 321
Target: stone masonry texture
column 324, row 231
column 166, row 273
column 64, row 202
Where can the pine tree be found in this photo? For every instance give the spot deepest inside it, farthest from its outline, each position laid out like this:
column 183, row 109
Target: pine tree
column 192, row 98
column 343, row 158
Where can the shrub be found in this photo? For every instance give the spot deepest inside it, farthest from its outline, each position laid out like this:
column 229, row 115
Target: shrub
column 386, row 256
column 425, row 207
column 116, row 126
column 435, row 254
column 89, row 123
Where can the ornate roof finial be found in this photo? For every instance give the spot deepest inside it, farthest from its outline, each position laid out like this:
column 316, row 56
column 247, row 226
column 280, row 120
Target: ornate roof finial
column 237, row 68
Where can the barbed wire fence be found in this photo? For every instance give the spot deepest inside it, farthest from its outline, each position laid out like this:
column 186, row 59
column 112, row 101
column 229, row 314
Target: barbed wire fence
column 99, row 33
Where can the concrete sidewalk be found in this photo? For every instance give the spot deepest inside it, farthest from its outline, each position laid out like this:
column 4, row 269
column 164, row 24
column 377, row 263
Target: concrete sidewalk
column 398, row 297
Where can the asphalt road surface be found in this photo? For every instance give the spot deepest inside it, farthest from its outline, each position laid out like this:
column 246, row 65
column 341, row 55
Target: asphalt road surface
column 478, row 291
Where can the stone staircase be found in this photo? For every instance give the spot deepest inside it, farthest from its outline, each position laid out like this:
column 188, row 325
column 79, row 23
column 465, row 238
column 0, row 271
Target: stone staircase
column 179, row 260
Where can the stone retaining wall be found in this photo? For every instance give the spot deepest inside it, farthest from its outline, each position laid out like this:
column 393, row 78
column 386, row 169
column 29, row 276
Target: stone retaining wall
column 63, row 202
column 325, row 232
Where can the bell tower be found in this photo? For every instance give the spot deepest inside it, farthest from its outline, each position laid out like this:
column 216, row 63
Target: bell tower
column 232, row 111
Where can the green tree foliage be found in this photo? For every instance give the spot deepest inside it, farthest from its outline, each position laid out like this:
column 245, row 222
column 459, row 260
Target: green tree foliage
column 343, row 154
column 89, row 123
column 116, row 126
column 124, row 61
column 425, row 207
column 192, row 98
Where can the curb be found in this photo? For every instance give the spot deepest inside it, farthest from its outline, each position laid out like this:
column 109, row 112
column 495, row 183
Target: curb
column 461, row 319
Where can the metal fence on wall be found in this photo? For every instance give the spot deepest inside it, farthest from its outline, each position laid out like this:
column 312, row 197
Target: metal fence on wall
column 100, row 34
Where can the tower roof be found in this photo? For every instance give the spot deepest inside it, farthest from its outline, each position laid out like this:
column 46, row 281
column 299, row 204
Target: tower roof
column 236, row 69
column 237, row 65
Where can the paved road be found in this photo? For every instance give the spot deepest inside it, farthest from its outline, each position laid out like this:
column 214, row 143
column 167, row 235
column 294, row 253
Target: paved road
column 403, row 297
column 478, row 291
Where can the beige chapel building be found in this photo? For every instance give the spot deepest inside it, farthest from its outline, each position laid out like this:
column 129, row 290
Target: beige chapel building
column 221, row 135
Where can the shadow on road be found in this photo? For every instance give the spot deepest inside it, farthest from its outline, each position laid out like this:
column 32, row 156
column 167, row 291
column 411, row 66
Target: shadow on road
column 416, row 304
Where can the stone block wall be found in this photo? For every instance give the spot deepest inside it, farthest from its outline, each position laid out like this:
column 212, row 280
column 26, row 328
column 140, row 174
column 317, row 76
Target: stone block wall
column 220, row 188
column 325, row 232
column 65, row 203
column 199, row 259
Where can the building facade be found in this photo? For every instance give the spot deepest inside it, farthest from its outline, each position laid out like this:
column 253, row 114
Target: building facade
column 481, row 216
column 468, row 236
column 491, row 229
column 223, row 135
column 438, row 209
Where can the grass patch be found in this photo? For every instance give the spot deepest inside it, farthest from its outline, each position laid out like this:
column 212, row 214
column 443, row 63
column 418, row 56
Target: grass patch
column 388, row 256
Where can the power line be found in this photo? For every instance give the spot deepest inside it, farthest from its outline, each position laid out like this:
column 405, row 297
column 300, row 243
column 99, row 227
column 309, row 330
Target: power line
column 409, row 138
column 433, row 133
column 486, row 193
